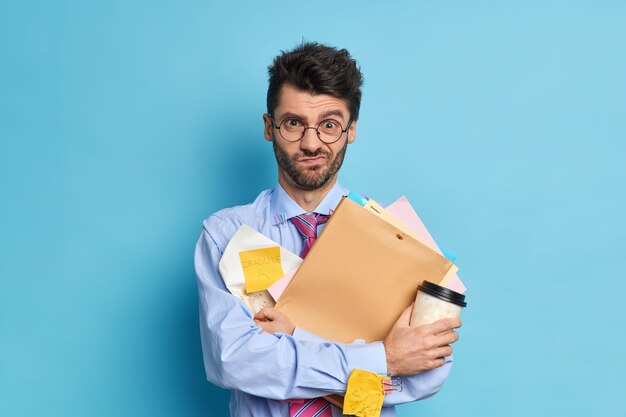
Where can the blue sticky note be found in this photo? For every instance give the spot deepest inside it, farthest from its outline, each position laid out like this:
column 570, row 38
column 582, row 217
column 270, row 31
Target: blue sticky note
column 451, row 256
column 357, row 198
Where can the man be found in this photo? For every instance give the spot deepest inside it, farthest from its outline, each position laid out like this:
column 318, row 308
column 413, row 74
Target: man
column 313, row 104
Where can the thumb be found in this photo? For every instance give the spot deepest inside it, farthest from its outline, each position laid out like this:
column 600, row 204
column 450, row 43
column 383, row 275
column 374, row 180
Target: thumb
column 405, row 317
column 266, row 313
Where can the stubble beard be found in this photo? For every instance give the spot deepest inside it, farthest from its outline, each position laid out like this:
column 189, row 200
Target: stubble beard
column 311, row 178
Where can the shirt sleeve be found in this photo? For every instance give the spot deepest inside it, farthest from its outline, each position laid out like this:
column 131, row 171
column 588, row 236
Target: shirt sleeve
column 414, row 388
column 237, row 355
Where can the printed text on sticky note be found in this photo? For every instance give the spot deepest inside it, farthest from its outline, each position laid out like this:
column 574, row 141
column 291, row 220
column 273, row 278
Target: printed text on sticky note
column 261, row 267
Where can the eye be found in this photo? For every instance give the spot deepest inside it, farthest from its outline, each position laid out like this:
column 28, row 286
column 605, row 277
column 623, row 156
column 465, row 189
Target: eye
column 292, row 122
column 330, row 124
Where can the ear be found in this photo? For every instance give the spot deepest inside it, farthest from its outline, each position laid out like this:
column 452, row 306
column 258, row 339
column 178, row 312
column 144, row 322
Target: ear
column 352, row 132
column 267, row 127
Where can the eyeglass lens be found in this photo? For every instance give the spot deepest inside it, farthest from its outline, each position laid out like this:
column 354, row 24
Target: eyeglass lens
column 293, row 130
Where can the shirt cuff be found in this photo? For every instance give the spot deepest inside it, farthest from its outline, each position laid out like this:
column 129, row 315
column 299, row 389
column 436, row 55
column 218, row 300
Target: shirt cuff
column 367, row 356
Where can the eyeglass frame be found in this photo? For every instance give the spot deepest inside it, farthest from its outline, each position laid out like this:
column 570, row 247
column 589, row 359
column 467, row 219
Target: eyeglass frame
column 305, row 128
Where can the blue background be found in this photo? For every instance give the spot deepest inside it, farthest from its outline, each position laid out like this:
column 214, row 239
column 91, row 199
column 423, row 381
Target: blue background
column 123, row 124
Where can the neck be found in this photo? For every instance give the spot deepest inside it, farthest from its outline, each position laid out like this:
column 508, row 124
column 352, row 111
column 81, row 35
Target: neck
column 307, row 199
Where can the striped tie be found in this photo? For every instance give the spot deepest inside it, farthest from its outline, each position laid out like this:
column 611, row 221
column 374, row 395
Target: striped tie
column 307, row 226
column 315, row 407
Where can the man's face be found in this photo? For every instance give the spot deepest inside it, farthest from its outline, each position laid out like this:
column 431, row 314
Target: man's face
column 309, row 163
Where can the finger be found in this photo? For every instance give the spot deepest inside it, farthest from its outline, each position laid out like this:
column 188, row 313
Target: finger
column 261, row 323
column 405, row 317
column 442, row 351
column 266, row 313
column 436, row 363
column 447, row 338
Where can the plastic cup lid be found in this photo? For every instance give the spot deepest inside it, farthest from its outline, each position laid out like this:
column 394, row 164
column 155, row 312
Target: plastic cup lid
column 442, row 293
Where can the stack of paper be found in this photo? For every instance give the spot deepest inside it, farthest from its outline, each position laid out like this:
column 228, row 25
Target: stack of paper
column 362, row 272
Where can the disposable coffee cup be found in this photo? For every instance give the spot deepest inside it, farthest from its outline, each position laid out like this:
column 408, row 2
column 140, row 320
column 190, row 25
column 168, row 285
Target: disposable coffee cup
column 434, row 302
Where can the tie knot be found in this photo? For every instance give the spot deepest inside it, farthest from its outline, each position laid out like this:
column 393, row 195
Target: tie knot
column 307, row 223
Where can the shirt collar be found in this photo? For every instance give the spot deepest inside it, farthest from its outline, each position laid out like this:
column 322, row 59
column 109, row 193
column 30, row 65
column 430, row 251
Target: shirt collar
column 282, row 207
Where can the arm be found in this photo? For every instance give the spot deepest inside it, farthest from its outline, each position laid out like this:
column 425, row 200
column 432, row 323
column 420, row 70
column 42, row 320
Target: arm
column 414, row 387
column 433, row 348
column 237, row 355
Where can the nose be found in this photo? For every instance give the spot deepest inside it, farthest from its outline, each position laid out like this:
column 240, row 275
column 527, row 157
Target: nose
column 310, row 141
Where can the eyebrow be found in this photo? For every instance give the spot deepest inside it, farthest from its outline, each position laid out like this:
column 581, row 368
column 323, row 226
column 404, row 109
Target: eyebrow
column 321, row 117
column 332, row 113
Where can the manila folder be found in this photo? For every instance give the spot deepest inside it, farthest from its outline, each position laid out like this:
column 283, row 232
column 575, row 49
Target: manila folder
column 358, row 277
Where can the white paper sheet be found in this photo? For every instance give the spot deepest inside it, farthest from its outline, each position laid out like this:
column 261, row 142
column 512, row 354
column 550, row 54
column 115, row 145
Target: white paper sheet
column 231, row 269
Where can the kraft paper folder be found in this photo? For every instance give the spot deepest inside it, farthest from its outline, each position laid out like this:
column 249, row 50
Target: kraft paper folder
column 358, row 277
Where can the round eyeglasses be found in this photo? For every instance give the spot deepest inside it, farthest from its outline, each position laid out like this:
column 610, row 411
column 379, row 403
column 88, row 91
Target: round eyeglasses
column 292, row 129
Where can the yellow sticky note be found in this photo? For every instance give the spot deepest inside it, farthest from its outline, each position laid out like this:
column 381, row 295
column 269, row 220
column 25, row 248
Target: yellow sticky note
column 364, row 394
column 261, row 267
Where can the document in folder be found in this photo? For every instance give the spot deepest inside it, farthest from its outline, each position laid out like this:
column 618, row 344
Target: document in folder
column 358, row 277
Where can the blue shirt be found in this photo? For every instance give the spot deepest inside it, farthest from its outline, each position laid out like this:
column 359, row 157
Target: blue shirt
column 261, row 369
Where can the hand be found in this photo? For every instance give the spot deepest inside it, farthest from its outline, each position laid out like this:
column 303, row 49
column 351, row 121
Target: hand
column 273, row 321
column 413, row 350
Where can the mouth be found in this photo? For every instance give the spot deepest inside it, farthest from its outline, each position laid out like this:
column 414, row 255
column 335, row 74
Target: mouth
column 315, row 160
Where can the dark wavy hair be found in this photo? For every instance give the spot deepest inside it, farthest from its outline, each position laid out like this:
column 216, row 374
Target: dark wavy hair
column 316, row 69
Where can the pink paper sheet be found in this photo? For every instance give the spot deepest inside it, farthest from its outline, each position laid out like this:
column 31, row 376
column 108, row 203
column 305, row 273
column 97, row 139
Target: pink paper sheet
column 277, row 288
column 402, row 209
